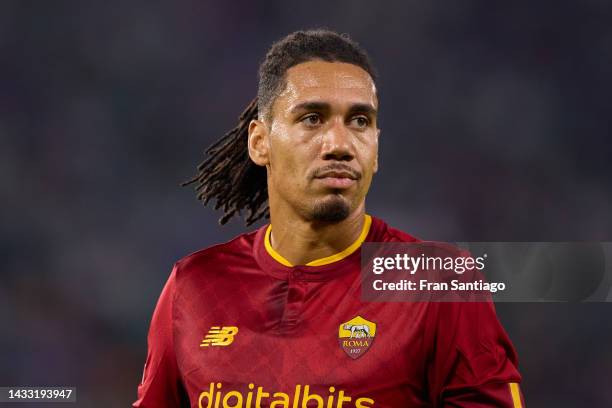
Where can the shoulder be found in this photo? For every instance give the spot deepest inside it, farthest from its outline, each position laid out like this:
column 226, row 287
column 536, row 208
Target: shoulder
column 383, row 232
column 235, row 251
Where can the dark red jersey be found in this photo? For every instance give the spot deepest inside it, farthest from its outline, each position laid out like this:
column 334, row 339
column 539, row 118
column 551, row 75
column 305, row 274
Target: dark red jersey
column 238, row 326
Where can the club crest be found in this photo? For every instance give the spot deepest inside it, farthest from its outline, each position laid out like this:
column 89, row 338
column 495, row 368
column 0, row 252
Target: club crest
column 356, row 336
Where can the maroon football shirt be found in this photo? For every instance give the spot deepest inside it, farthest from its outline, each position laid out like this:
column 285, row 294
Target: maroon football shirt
column 238, row 326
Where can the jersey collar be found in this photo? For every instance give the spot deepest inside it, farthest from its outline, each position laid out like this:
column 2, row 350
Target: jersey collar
column 319, row 269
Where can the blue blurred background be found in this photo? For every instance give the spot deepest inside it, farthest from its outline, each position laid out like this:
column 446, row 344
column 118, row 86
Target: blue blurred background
column 495, row 127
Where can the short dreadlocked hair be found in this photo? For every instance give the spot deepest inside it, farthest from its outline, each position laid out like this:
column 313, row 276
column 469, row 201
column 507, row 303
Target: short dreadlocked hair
column 227, row 174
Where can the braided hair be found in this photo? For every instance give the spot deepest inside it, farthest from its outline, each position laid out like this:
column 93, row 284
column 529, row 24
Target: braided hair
column 227, row 174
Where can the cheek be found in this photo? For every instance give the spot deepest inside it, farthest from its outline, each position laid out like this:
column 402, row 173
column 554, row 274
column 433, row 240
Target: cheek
column 369, row 153
column 289, row 157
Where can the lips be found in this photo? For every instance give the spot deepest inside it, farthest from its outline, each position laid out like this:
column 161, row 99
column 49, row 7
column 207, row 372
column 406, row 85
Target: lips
column 338, row 174
column 338, row 178
column 336, row 182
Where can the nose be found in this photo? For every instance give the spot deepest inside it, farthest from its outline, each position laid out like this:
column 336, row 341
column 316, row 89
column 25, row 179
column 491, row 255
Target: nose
column 337, row 142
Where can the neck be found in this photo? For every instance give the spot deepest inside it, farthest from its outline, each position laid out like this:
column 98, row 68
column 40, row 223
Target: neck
column 301, row 241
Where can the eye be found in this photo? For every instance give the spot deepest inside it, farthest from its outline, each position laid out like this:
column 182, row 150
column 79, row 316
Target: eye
column 312, row 119
column 361, row 121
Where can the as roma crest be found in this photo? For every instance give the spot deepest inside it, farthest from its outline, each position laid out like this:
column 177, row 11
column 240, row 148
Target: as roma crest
column 356, row 336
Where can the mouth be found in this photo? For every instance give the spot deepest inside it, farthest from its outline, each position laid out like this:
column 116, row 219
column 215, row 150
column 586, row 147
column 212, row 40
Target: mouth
column 339, row 179
column 336, row 182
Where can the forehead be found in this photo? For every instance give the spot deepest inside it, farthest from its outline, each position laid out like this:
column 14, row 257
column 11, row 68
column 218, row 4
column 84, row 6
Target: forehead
column 332, row 81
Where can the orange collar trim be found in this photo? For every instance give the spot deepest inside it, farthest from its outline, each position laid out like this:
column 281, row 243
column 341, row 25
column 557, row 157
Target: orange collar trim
column 328, row 259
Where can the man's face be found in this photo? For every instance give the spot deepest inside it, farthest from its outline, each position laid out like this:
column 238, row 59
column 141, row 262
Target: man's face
column 322, row 142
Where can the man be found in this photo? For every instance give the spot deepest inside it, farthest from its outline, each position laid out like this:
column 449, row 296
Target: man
column 274, row 317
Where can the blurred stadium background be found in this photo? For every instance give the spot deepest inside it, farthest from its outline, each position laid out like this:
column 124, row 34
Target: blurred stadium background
column 495, row 127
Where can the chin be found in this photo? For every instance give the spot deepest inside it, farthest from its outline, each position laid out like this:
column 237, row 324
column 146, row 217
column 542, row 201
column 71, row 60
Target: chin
column 331, row 209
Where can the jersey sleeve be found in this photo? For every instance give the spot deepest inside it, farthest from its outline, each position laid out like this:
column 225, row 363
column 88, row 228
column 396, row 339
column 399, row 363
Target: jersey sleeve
column 473, row 362
column 161, row 384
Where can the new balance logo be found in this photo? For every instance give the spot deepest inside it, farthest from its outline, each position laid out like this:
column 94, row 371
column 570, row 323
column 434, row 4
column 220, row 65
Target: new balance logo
column 219, row 336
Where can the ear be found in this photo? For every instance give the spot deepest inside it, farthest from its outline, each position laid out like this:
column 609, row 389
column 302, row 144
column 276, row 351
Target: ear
column 259, row 145
column 376, row 158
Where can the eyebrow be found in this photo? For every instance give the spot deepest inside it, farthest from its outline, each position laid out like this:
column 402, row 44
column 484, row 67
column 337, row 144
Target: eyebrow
column 324, row 106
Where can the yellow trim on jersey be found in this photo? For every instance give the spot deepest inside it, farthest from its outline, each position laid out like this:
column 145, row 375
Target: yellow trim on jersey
column 278, row 257
column 367, row 222
column 328, row 259
column 516, row 395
